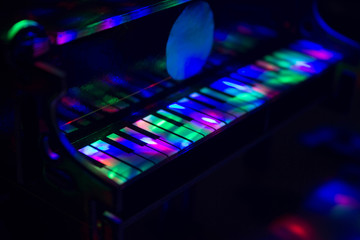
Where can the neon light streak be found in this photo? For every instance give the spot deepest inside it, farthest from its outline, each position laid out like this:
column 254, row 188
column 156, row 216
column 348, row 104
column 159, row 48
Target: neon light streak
column 17, row 27
column 70, row 35
column 105, row 107
column 67, row 127
column 113, row 217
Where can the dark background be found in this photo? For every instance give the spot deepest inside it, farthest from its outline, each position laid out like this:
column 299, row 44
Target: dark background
column 263, row 194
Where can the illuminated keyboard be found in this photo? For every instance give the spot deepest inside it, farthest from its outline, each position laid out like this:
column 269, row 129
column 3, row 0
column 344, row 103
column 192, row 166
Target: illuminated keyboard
column 125, row 153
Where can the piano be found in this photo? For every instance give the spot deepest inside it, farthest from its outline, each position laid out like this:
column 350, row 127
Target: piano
column 124, row 104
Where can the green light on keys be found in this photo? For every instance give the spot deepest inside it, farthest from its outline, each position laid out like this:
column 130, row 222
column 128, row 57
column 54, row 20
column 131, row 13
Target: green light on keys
column 193, row 125
column 235, row 101
column 247, row 97
column 291, row 77
column 182, row 131
column 177, row 141
column 293, row 56
column 274, row 83
column 124, row 170
column 170, row 115
column 278, row 62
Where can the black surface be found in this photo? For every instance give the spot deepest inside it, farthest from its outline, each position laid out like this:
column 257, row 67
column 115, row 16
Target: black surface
column 237, row 202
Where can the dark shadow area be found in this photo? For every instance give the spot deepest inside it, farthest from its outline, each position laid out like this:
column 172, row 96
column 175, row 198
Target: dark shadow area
column 300, row 181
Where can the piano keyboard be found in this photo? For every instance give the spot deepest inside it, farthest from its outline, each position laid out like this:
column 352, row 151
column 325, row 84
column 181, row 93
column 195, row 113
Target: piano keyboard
column 110, row 95
column 167, row 132
column 116, row 92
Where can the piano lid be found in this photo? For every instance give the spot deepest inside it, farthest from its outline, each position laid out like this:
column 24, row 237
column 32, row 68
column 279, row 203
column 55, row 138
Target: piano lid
column 66, row 21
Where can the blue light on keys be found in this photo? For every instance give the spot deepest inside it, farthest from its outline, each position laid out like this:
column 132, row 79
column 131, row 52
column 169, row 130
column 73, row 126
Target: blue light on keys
column 202, row 112
column 110, row 162
column 194, row 125
column 198, row 116
column 236, row 102
column 143, row 151
column 129, row 158
column 251, row 71
column 164, row 135
column 316, row 50
column 184, row 132
column 156, row 144
column 222, row 116
column 235, row 88
column 237, row 112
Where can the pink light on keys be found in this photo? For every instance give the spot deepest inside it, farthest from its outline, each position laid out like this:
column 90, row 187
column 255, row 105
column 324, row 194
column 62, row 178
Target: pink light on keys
column 148, row 141
column 267, row 66
column 155, row 144
column 268, row 92
column 303, row 66
column 198, row 116
column 321, row 54
column 98, row 156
